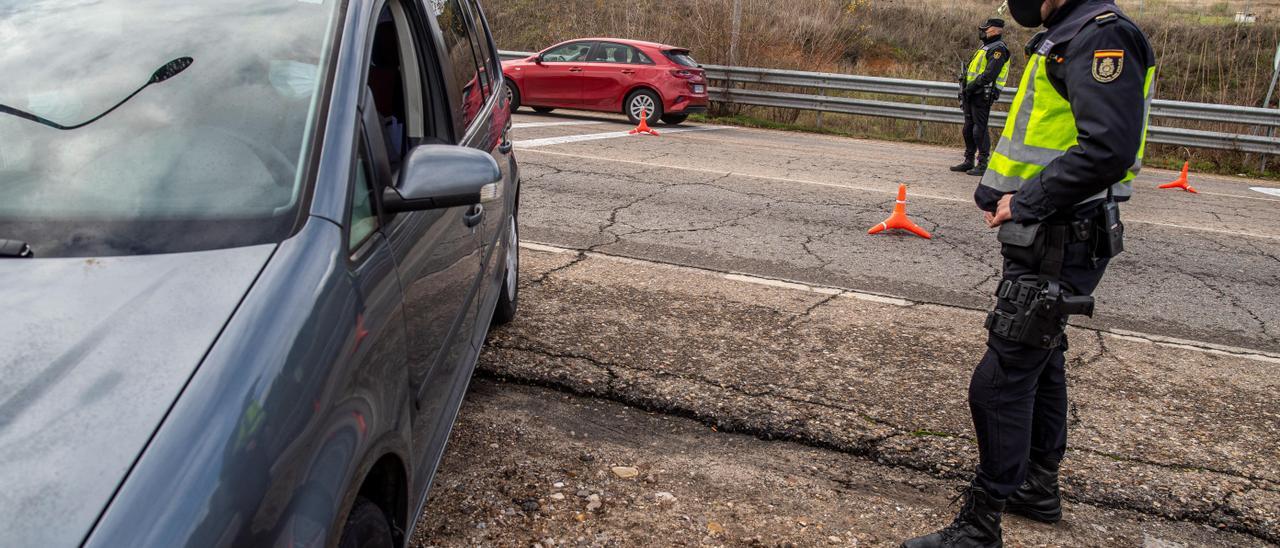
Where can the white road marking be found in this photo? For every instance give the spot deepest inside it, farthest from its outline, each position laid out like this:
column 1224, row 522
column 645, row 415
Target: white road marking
column 782, row 285
column 876, row 190
column 553, row 124
column 549, row 141
column 1266, row 190
column 1122, row 334
column 544, row 248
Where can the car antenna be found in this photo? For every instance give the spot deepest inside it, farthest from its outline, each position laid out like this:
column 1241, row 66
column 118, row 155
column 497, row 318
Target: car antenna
column 165, row 72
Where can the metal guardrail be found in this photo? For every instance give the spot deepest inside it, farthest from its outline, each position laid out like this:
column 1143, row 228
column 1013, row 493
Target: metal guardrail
column 732, row 92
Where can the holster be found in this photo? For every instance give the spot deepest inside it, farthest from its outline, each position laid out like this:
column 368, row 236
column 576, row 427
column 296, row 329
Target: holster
column 1033, row 309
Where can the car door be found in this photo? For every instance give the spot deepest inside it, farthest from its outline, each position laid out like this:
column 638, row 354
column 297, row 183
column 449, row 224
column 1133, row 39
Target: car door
column 557, row 81
column 610, row 73
column 491, row 134
column 438, row 252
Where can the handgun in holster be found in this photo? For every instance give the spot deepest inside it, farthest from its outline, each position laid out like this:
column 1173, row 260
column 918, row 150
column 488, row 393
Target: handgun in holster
column 1039, row 306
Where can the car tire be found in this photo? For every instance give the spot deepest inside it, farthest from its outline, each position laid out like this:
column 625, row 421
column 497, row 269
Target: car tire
column 543, row 110
column 366, row 527
column 643, row 99
column 509, row 295
column 675, row 119
column 513, row 94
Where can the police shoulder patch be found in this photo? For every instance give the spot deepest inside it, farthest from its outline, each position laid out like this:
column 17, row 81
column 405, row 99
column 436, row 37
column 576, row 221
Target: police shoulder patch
column 1107, row 65
column 997, row 55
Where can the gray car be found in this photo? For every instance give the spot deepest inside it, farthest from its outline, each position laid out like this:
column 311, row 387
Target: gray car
column 251, row 250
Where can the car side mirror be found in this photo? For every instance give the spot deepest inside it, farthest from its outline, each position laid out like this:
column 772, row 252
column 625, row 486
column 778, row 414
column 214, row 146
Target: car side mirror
column 538, row 59
column 442, row 176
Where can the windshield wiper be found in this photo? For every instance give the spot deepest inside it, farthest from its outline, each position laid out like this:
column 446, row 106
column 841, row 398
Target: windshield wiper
column 13, row 249
column 165, row 72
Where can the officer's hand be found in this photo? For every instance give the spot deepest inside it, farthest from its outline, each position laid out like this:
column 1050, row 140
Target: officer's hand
column 987, row 217
column 1004, row 212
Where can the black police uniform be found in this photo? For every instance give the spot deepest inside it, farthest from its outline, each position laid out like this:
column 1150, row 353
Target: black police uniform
column 1018, row 393
column 976, row 99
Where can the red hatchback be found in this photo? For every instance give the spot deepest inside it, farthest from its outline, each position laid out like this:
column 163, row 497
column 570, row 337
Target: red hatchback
column 610, row 75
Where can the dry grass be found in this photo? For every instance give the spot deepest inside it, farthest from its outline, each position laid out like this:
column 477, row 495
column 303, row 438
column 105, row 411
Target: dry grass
column 1203, row 55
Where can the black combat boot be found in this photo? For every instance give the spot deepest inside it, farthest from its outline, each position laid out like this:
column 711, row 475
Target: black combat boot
column 977, row 526
column 1038, row 497
column 980, row 169
column 963, row 167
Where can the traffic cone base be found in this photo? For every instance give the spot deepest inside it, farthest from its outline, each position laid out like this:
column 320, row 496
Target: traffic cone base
column 1182, row 182
column 899, row 218
column 644, row 125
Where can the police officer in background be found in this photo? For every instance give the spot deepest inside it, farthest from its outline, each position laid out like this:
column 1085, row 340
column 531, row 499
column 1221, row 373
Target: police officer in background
column 980, row 88
column 1068, row 154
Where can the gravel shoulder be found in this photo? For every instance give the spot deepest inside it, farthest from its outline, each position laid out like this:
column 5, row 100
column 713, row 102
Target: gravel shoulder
column 528, row 466
column 1175, row 433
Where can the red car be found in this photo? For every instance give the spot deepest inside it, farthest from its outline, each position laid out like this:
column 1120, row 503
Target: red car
column 610, row 75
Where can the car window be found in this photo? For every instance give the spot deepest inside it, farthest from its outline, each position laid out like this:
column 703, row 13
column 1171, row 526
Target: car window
column 456, row 31
column 212, row 154
column 395, row 79
column 483, row 44
column 609, row 52
column 577, row 52
column 363, row 220
column 681, row 57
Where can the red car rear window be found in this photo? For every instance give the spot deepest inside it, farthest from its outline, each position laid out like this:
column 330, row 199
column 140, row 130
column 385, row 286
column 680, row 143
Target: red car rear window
column 681, row 57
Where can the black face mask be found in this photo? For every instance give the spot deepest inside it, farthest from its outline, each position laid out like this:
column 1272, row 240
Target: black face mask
column 1026, row 12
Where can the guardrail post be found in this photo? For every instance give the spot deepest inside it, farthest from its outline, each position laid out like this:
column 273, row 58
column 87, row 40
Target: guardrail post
column 822, row 92
column 920, row 123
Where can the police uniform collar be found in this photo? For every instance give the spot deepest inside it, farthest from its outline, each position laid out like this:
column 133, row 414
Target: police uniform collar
column 1074, row 18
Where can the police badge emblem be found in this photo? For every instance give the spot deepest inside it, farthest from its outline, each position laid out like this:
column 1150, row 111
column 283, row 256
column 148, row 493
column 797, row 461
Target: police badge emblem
column 1107, row 65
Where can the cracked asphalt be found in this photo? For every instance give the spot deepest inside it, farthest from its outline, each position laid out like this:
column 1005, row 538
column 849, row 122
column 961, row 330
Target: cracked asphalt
column 661, row 293
column 797, row 206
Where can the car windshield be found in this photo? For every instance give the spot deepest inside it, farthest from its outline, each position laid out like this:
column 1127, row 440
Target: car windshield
column 152, row 126
column 682, row 57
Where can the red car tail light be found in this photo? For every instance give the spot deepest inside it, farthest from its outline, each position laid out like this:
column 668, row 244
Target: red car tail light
column 682, row 73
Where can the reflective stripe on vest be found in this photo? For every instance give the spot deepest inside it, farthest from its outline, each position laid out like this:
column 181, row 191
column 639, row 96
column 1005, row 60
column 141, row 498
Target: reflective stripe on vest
column 979, row 65
column 1041, row 128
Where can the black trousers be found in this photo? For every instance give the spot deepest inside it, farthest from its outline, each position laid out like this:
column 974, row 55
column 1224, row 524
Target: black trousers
column 1018, row 395
column 977, row 139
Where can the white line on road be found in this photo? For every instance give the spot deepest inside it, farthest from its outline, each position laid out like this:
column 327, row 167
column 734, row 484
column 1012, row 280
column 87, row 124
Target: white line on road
column 872, row 189
column 544, row 248
column 531, row 143
column 1132, row 336
column 1265, row 190
column 553, row 124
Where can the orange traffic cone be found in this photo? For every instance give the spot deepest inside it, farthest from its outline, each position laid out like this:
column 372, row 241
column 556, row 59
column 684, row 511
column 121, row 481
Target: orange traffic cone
column 899, row 218
column 1182, row 181
column 644, row 125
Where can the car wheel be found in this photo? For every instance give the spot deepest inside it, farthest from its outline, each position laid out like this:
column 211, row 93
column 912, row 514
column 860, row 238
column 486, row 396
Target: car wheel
column 543, row 110
column 509, row 298
column 513, row 96
column 366, row 527
column 644, row 101
column 675, row 119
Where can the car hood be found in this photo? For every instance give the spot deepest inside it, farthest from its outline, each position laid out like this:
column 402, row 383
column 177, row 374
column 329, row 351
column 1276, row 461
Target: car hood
column 93, row 353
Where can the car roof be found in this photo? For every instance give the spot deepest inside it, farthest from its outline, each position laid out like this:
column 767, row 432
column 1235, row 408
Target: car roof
column 637, row 43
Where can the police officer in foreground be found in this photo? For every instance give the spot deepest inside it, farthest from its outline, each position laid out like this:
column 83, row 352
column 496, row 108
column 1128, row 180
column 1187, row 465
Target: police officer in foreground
column 1068, row 154
column 980, row 88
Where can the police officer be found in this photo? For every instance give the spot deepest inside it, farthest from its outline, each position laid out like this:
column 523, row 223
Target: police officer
column 980, row 88
column 1073, row 144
